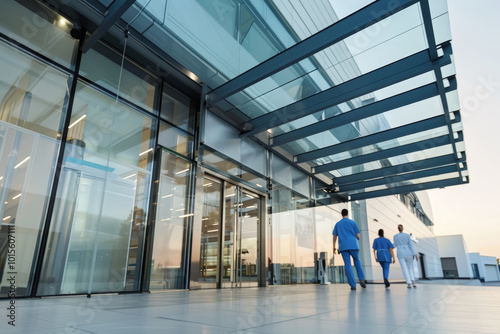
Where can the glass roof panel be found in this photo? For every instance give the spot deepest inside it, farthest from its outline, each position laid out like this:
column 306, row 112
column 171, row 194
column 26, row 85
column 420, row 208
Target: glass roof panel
column 390, row 144
column 388, row 120
column 387, row 41
column 394, row 161
column 345, row 8
column 364, row 100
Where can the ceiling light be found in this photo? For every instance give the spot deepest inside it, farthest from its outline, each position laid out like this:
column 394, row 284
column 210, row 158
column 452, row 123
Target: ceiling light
column 75, row 122
column 151, row 149
column 22, row 162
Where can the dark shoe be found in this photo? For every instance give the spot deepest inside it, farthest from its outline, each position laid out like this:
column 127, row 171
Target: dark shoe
column 353, row 288
column 386, row 282
column 362, row 282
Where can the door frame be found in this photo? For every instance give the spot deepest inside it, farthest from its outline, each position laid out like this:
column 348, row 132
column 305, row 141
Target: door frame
column 194, row 270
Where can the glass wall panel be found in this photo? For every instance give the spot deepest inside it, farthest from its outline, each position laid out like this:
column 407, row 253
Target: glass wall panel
column 32, row 93
column 175, row 140
column 97, row 229
column 102, row 65
column 39, row 28
column 177, row 109
column 296, row 236
column 32, row 97
column 172, row 218
column 222, row 164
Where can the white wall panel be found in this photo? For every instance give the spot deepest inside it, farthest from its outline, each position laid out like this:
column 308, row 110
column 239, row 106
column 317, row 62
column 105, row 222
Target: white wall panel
column 454, row 246
column 386, row 213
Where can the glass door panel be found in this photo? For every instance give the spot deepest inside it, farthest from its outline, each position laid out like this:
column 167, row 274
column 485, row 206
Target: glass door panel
column 210, row 231
column 249, row 209
column 231, row 200
column 229, row 248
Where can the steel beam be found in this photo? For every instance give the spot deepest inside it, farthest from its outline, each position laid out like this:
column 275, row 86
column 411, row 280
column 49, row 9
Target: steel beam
column 384, row 154
column 405, row 130
column 400, row 178
column 335, row 33
column 396, row 72
column 406, row 98
column 114, row 12
column 409, row 188
column 399, row 169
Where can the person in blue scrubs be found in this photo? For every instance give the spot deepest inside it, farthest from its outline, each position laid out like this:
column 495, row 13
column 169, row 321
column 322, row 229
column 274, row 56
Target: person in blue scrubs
column 347, row 232
column 383, row 250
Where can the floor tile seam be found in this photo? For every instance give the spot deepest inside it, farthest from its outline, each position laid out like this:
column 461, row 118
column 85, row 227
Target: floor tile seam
column 61, row 325
column 83, row 330
column 287, row 320
column 193, row 322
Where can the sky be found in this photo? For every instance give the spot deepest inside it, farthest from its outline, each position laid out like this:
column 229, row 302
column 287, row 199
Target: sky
column 473, row 210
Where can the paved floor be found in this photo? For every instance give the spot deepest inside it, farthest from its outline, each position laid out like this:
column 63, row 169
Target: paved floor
column 430, row 308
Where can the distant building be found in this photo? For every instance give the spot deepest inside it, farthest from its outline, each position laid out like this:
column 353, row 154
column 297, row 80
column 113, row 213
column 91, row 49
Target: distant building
column 457, row 262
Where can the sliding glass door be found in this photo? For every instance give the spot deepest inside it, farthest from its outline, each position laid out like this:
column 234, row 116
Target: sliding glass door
column 229, row 238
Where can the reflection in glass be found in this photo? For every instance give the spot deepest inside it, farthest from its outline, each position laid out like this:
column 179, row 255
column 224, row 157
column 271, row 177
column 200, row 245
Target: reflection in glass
column 175, row 140
column 222, row 164
column 32, row 97
column 44, row 31
column 178, row 109
column 97, row 229
column 102, row 65
column 172, row 217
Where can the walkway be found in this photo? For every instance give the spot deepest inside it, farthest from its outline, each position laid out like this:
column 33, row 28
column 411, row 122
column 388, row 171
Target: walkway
column 430, row 308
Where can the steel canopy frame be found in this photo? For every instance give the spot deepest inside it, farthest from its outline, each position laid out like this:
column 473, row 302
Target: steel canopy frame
column 409, row 188
column 335, row 33
column 392, row 152
column 391, row 179
column 426, row 61
column 400, row 169
column 394, row 133
column 375, row 108
column 393, row 73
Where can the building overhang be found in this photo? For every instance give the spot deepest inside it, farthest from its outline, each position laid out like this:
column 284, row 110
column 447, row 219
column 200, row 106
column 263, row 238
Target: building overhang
column 382, row 118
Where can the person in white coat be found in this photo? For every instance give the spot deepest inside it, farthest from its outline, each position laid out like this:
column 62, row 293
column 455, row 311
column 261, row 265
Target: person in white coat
column 406, row 253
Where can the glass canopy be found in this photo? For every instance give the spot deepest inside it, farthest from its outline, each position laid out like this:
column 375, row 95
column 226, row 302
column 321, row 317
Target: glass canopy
column 361, row 94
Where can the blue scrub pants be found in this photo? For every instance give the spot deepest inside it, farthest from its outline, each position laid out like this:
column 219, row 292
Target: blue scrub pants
column 346, row 256
column 385, row 269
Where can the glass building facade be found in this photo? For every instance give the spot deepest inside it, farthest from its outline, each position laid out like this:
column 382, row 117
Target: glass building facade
column 158, row 145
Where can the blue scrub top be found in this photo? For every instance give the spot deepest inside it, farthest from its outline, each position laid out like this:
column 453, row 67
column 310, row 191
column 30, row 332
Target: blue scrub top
column 346, row 229
column 382, row 245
